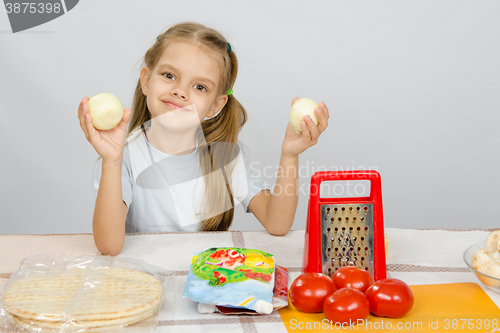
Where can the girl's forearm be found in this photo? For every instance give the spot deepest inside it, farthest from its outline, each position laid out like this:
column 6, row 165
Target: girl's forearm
column 282, row 206
column 110, row 211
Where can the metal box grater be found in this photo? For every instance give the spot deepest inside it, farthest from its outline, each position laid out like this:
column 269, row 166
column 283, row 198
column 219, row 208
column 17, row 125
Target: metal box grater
column 345, row 231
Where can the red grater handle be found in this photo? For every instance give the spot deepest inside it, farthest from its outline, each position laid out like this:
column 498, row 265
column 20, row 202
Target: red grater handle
column 312, row 249
column 325, row 176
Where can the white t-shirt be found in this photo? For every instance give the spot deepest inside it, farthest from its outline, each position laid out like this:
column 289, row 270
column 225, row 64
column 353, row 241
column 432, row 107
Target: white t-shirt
column 164, row 192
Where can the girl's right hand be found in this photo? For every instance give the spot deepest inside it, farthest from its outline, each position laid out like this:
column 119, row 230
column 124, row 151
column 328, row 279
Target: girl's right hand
column 108, row 144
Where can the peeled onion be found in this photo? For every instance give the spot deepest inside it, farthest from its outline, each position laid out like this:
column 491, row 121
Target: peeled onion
column 301, row 108
column 486, row 260
column 492, row 244
column 484, row 263
column 106, row 111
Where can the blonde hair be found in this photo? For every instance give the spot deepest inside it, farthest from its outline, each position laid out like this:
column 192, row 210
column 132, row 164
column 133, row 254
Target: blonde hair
column 219, row 132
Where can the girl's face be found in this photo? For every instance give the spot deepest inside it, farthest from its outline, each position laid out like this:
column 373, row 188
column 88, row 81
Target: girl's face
column 183, row 85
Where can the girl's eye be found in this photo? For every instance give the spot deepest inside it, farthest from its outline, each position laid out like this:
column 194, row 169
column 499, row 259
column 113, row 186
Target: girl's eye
column 168, row 76
column 200, row 87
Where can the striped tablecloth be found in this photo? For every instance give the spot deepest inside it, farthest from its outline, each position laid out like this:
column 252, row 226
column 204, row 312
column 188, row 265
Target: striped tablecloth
column 430, row 256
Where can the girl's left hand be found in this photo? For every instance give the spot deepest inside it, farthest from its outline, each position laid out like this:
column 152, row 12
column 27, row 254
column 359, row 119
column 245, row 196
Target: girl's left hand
column 296, row 143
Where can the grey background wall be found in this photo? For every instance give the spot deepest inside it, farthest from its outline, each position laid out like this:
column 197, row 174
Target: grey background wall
column 413, row 89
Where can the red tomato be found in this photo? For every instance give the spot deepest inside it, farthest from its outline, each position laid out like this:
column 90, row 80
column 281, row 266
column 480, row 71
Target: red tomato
column 352, row 277
column 309, row 290
column 390, row 298
column 346, row 305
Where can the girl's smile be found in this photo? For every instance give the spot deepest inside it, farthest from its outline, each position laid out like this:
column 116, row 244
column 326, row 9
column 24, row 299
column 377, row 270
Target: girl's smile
column 175, row 106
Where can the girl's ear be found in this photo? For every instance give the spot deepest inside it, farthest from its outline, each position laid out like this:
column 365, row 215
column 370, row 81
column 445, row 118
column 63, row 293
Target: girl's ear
column 145, row 75
column 217, row 106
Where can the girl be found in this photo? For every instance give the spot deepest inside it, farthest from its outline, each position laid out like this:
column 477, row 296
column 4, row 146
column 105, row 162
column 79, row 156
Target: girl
column 181, row 167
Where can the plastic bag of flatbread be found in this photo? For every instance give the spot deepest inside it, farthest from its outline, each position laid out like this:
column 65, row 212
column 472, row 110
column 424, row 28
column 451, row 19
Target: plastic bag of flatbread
column 55, row 293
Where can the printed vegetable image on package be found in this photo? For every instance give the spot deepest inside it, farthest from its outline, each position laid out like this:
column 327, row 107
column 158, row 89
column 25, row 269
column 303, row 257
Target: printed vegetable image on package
column 235, row 277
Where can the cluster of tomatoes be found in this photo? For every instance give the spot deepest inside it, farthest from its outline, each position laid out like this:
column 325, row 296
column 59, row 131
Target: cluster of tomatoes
column 350, row 295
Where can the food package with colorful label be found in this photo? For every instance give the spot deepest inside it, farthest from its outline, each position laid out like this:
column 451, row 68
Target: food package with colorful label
column 280, row 295
column 233, row 277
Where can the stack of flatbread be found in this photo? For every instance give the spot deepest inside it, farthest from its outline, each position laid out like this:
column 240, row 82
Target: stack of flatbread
column 83, row 298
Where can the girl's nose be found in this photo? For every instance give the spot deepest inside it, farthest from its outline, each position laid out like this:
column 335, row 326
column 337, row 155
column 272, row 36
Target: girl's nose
column 180, row 92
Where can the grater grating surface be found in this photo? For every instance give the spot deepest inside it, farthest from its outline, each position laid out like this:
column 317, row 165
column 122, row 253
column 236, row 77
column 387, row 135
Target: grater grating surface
column 346, row 237
column 332, row 238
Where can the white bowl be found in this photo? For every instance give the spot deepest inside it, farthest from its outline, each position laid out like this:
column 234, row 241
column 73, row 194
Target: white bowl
column 488, row 281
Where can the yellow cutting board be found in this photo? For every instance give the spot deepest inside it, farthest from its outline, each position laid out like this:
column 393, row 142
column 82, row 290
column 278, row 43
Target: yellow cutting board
column 453, row 307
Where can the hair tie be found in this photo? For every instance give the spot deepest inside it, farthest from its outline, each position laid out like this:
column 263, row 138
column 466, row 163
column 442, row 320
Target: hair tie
column 230, row 91
column 228, row 47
